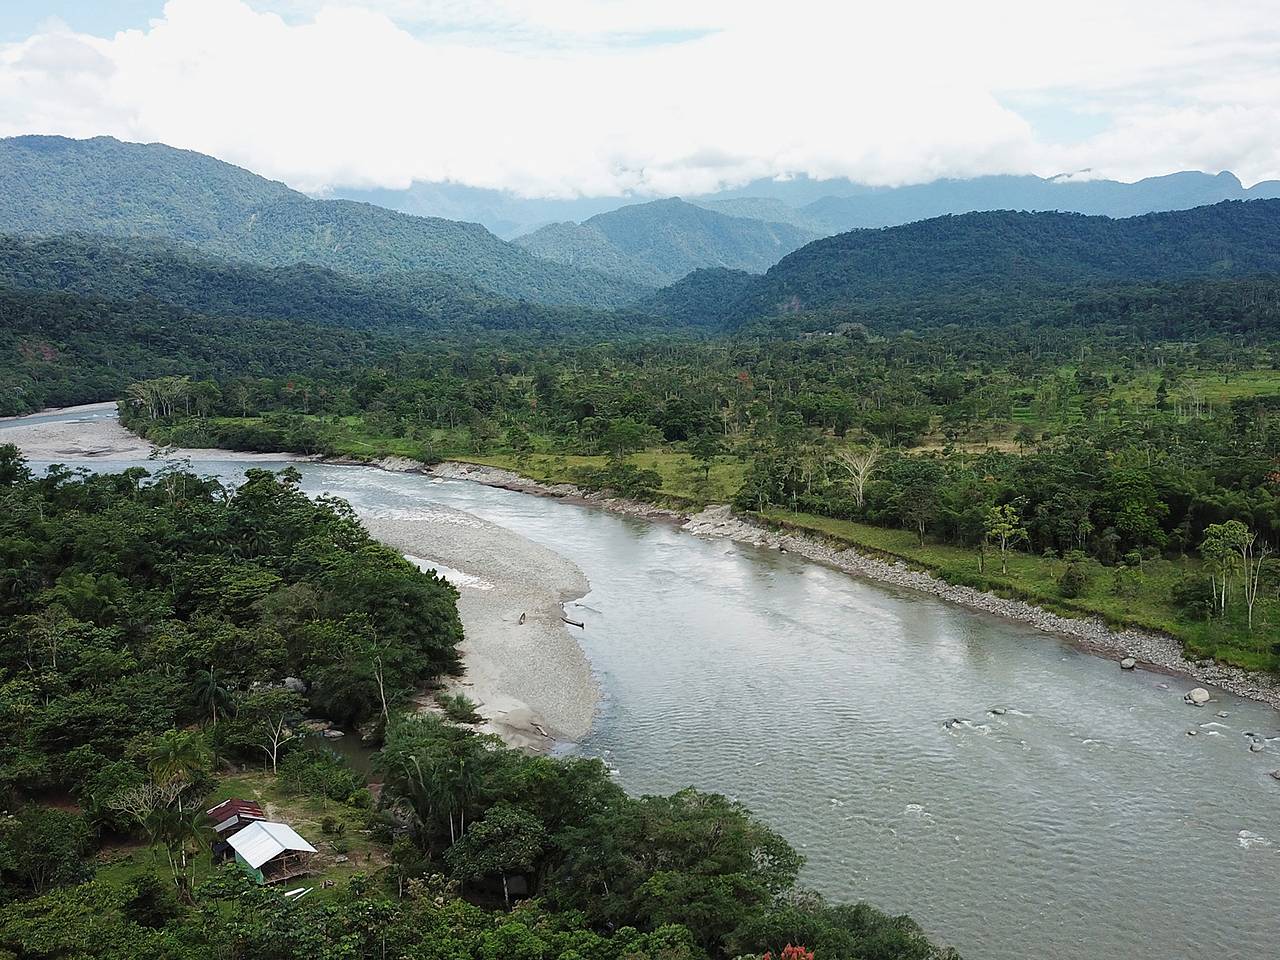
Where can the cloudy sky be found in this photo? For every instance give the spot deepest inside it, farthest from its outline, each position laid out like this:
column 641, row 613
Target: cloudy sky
column 592, row 97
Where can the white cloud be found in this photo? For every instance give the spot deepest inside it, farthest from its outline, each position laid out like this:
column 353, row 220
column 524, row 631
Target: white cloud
column 565, row 97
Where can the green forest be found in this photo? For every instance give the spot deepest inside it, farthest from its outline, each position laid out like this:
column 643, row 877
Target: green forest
column 151, row 628
column 1079, row 412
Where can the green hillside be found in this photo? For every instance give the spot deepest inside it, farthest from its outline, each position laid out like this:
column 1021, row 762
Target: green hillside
column 51, row 185
column 132, row 268
column 662, row 241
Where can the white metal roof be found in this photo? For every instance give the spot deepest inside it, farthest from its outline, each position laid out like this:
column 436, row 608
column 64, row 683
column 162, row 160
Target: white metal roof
column 259, row 842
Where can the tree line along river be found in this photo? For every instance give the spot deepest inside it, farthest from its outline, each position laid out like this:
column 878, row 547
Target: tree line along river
column 1019, row 797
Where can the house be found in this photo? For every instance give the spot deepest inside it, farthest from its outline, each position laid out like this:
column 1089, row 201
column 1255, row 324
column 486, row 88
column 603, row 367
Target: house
column 232, row 816
column 270, row 852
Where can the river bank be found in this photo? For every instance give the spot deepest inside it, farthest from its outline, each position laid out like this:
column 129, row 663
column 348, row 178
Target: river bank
column 520, row 719
column 1153, row 651
column 526, row 673
column 530, row 679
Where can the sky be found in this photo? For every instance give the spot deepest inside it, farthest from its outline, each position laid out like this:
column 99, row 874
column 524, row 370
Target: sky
column 565, row 98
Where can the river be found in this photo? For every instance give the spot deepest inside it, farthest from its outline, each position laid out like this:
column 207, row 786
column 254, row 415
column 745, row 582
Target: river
column 1082, row 821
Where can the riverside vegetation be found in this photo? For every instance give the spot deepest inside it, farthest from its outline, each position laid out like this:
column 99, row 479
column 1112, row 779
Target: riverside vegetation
column 150, row 623
column 1094, row 472
column 1078, row 411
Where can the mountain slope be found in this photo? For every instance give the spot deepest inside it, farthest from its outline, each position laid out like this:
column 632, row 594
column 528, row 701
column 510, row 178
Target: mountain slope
column 1006, row 250
column 665, row 239
column 51, row 185
column 1002, row 256
column 155, row 271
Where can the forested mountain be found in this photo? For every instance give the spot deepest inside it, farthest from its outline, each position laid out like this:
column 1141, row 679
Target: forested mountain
column 132, row 268
column 58, row 349
column 1009, row 256
column 661, row 241
column 828, row 206
column 51, row 185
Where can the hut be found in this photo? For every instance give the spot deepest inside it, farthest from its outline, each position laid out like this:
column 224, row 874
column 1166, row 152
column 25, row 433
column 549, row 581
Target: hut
column 270, row 852
column 232, row 816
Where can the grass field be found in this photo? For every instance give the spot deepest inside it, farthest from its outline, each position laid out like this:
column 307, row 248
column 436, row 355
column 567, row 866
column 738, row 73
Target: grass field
column 1121, row 596
column 304, row 813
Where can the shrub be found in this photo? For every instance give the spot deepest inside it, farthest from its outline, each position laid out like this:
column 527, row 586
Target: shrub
column 319, row 773
column 1194, row 594
column 1074, row 580
column 459, row 708
column 625, row 479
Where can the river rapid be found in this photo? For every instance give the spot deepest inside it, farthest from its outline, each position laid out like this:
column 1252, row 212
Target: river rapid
column 1020, row 798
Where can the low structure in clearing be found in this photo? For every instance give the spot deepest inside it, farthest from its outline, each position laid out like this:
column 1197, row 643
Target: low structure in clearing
column 232, row 816
column 270, row 852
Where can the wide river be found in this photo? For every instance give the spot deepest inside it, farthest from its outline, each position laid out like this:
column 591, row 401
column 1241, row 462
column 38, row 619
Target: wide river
column 1082, row 822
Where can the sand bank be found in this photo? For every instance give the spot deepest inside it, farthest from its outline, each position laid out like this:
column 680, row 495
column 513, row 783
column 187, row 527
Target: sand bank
column 531, row 679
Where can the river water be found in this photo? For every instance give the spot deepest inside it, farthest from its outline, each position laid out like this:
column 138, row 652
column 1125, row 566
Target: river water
column 1082, row 822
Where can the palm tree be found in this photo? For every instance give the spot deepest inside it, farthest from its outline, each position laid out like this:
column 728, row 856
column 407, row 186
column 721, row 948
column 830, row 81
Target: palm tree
column 179, row 757
column 210, row 693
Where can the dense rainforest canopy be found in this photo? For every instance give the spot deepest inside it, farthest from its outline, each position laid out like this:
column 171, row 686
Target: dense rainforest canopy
column 156, row 630
column 1077, row 411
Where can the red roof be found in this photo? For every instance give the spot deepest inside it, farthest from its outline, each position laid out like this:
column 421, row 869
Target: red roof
column 234, row 813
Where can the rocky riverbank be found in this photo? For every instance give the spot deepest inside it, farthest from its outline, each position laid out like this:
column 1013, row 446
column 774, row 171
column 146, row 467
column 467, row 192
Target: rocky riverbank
column 1155, row 651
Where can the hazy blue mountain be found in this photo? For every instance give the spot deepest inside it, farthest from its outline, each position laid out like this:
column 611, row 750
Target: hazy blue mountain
column 835, row 205
column 506, row 214
column 661, row 241
column 52, row 185
column 882, row 207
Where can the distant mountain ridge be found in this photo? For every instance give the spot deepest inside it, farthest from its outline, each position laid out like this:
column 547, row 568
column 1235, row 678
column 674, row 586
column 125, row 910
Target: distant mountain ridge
column 52, row 185
column 659, row 242
column 835, row 205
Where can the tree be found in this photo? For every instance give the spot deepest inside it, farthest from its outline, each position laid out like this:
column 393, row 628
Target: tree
column 179, row 758
column 1004, row 528
column 704, row 449
column 1222, row 544
column 44, row 847
column 1252, row 558
column 211, row 693
column 860, row 465
column 508, row 840
column 271, row 716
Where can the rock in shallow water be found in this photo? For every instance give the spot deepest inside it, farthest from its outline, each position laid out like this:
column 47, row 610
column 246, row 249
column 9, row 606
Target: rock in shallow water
column 1199, row 696
column 1128, row 663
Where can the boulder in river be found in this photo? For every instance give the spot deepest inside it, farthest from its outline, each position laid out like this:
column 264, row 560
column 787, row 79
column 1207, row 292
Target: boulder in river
column 1257, row 746
column 1193, row 733
column 1275, row 774
column 1128, row 663
column 333, row 734
column 998, row 711
column 1199, row 696
column 1222, row 714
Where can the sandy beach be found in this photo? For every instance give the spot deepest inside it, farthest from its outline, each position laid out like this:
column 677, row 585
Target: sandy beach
column 100, row 437
column 530, row 678
column 527, row 673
